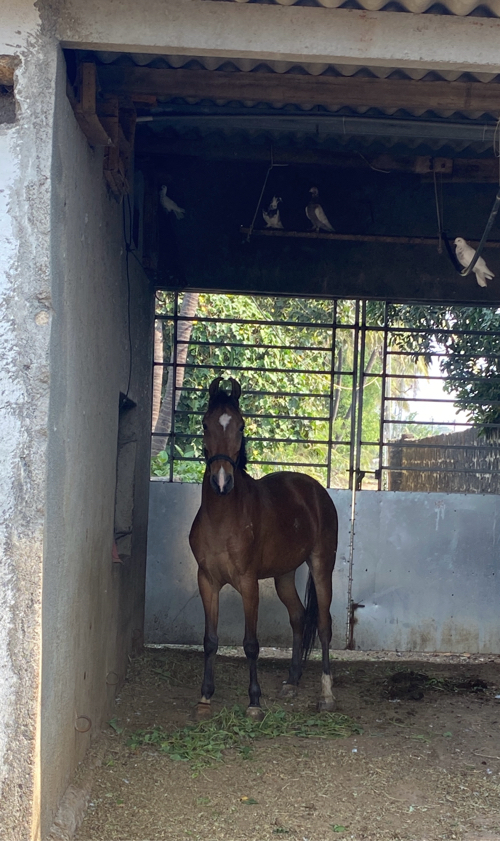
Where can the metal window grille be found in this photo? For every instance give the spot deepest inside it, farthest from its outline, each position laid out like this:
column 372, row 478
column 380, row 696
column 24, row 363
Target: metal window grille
column 329, row 388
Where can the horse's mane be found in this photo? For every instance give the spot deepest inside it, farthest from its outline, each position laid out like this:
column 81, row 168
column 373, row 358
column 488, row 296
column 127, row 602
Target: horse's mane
column 222, row 398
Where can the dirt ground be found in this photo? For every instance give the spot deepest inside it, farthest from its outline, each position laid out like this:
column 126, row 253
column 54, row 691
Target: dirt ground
column 425, row 767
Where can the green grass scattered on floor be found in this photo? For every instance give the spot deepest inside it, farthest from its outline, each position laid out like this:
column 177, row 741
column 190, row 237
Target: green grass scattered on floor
column 203, row 743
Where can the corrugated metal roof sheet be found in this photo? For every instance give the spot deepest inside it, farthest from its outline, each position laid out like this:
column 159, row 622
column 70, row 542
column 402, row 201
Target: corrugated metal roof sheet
column 214, row 63
column 478, row 142
column 478, row 8
column 289, row 133
column 248, row 65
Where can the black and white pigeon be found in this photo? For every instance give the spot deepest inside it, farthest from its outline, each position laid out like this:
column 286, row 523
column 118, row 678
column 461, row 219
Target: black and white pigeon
column 465, row 253
column 272, row 214
column 316, row 214
column 169, row 205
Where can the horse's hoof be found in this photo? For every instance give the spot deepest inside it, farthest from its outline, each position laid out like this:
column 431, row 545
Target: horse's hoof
column 327, row 706
column 203, row 710
column 288, row 690
column 256, row 713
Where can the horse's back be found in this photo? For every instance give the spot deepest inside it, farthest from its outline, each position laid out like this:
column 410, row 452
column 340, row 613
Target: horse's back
column 286, row 496
column 299, row 486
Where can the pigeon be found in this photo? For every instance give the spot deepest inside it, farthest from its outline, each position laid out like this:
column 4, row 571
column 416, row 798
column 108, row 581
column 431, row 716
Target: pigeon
column 465, row 253
column 272, row 214
column 169, row 205
column 316, row 214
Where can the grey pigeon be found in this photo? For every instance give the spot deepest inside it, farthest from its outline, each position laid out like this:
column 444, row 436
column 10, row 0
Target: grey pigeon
column 316, row 214
column 272, row 214
column 465, row 253
column 169, row 205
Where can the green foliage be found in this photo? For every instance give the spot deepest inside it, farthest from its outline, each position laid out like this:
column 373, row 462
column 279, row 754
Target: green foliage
column 285, row 372
column 470, row 339
column 203, row 743
column 280, row 349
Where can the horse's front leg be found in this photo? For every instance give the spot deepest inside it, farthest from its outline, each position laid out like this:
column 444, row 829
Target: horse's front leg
column 209, row 591
column 250, row 594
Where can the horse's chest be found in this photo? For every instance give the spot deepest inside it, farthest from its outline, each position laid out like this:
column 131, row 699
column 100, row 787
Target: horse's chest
column 229, row 552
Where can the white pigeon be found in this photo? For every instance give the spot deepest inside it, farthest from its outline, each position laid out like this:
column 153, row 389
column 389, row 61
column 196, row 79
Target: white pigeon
column 316, row 214
column 170, row 205
column 465, row 253
column 272, row 214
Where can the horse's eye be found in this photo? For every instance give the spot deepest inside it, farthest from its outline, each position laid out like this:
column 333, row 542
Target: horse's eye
column 204, row 426
column 242, row 428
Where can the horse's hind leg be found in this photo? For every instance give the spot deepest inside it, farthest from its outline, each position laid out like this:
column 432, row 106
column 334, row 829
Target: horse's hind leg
column 322, row 577
column 287, row 592
column 209, row 592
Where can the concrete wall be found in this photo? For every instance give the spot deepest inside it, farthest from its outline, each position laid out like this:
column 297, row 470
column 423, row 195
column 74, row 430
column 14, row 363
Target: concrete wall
column 425, row 569
column 92, row 607
column 68, row 615
column 25, row 294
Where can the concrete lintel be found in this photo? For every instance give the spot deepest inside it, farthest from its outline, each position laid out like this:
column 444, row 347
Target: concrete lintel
column 283, row 33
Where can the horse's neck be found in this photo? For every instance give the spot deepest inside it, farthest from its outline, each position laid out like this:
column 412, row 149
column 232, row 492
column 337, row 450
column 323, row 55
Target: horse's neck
column 218, row 507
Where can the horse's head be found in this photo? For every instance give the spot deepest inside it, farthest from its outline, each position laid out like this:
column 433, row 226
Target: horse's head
column 223, row 441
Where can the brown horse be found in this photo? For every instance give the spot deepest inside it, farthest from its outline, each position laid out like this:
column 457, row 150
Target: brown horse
column 248, row 529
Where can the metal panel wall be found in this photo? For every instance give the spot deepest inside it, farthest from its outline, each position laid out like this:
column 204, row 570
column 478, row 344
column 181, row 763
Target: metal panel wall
column 174, row 612
column 426, row 568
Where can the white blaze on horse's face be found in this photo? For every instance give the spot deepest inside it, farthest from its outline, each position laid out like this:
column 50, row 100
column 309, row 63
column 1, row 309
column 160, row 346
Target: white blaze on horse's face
column 222, row 442
column 224, row 420
column 221, row 479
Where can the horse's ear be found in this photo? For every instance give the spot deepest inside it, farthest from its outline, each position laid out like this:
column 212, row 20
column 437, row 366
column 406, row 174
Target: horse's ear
column 214, row 387
column 235, row 389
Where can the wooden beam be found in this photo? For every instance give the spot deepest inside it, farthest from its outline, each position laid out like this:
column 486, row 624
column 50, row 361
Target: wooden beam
column 355, row 237
column 8, row 64
column 85, row 107
column 289, row 88
column 452, row 169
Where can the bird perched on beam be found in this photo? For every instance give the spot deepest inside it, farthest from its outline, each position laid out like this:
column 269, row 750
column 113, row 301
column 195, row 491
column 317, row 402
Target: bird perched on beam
column 169, row 205
column 316, row 214
column 272, row 214
column 465, row 253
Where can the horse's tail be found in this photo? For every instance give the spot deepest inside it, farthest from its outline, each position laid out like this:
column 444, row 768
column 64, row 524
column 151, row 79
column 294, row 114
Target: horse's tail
column 310, row 618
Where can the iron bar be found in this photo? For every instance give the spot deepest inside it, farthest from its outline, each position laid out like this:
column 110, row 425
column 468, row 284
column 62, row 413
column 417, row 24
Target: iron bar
column 247, row 345
column 174, row 387
column 415, row 444
column 382, row 402
column 260, row 370
column 331, row 396
column 256, row 322
column 266, row 417
column 249, row 392
column 306, row 441
column 212, row 366
column 474, row 470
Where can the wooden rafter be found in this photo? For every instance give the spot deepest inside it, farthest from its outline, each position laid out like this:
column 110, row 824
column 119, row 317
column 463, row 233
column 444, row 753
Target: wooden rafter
column 484, row 170
column 289, row 88
column 395, row 240
column 106, row 120
column 8, row 64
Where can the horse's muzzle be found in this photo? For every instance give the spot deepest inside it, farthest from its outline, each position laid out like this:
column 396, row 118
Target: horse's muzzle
column 222, row 482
